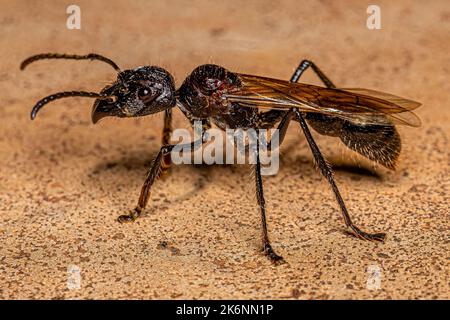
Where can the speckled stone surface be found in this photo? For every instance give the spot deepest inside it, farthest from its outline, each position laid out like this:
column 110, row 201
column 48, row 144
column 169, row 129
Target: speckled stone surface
column 64, row 181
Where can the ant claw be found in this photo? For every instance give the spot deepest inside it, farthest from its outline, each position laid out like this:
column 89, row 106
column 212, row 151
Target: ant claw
column 375, row 237
column 125, row 218
column 275, row 258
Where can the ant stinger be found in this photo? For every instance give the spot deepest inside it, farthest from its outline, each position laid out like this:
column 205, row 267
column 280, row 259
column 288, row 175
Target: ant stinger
column 363, row 119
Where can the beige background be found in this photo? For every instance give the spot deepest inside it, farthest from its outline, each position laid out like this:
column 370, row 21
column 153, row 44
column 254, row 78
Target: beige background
column 63, row 181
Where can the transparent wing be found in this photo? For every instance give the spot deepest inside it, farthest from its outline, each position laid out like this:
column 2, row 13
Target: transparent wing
column 360, row 106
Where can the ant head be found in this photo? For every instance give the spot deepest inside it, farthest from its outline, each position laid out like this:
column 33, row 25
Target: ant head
column 135, row 93
column 138, row 92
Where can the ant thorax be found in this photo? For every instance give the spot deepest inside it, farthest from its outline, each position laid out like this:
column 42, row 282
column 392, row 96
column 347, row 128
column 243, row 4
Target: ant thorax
column 201, row 96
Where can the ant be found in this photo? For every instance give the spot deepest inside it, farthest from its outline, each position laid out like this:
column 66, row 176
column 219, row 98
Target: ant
column 363, row 119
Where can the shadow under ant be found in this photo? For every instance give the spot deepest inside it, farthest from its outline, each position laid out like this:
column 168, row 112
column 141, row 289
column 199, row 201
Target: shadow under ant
column 135, row 165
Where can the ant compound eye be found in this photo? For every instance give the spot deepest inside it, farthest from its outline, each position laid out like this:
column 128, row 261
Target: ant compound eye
column 144, row 92
column 147, row 94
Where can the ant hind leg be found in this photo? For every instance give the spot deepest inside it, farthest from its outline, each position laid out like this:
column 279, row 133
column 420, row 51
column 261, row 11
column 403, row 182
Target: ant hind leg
column 305, row 64
column 320, row 160
column 327, row 172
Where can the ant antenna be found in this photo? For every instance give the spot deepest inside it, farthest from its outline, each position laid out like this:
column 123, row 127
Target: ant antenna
column 90, row 56
column 65, row 94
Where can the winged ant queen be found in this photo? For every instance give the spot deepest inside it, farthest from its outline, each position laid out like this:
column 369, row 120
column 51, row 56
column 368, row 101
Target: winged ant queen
column 364, row 120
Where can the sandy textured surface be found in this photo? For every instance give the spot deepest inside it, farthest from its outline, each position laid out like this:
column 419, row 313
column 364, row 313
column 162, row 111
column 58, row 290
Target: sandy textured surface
column 64, row 181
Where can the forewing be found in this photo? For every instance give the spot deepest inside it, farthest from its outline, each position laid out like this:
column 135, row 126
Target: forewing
column 403, row 102
column 360, row 106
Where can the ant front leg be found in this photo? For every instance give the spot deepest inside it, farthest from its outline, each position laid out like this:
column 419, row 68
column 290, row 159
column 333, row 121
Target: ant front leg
column 154, row 174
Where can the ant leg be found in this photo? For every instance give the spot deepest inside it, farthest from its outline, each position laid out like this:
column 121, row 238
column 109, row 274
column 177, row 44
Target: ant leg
column 305, row 64
column 152, row 176
column 326, row 171
column 267, row 248
column 167, row 131
column 325, row 168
